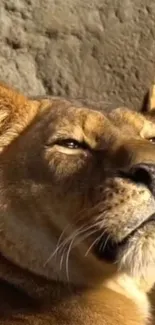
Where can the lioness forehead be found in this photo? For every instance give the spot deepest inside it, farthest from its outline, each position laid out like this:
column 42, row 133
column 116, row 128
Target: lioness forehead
column 85, row 124
column 67, row 119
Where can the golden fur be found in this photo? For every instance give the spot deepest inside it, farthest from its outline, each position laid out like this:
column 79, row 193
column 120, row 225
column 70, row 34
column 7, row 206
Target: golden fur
column 76, row 239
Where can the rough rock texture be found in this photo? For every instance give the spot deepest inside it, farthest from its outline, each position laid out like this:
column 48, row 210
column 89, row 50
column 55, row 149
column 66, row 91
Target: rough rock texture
column 103, row 50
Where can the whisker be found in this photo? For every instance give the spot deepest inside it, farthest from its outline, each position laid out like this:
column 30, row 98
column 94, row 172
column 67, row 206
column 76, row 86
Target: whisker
column 102, row 247
column 77, row 233
column 70, row 247
column 67, row 258
column 82, row 228
column 58, row 247
column 81, row 239
column 92, row 245
column 72, row 240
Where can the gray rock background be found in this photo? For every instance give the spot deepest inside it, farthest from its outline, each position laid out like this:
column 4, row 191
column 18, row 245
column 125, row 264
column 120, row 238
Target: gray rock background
column 103, row 50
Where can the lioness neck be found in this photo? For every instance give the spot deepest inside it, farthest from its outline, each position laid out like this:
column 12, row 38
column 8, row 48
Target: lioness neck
column 126, row 286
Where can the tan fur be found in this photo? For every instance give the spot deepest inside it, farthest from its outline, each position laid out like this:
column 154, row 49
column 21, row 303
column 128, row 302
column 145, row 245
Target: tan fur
column 57, row 201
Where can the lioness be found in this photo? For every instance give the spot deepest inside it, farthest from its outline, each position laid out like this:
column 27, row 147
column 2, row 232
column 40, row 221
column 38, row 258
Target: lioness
column 77, row 213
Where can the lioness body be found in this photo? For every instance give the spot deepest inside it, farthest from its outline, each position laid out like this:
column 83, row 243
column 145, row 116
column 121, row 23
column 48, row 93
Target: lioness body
column 77, row 212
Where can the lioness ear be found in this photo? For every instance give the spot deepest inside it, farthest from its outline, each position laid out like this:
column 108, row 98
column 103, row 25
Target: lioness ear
column 13, row 103
column 16, row 113
column 150, row 107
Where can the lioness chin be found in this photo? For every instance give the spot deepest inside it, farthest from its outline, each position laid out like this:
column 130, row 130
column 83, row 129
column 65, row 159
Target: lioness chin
column 77, row 213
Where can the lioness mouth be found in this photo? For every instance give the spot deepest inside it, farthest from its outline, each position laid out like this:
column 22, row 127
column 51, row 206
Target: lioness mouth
column 108, row 249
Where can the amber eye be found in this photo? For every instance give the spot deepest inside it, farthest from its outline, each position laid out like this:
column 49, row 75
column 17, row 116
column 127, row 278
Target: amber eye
column 70, row 144
column 152, row 140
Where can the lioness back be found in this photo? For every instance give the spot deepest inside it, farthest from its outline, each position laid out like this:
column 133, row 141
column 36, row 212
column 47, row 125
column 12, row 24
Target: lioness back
column 77, row 213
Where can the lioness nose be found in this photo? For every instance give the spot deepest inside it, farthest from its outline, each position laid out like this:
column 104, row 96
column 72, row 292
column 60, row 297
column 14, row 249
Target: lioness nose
column 145, row 174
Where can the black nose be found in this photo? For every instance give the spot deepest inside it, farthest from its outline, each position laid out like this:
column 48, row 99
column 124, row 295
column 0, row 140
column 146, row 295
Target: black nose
column 144, row 174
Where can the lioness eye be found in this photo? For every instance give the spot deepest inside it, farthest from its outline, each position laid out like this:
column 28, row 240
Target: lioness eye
column 152, row 140
column 70, row 144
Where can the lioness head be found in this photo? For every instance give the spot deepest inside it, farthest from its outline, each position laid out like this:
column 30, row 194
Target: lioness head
column 77, row 190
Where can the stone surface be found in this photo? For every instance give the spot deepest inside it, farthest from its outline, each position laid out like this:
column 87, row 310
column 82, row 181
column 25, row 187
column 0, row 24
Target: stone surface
column 97, row 49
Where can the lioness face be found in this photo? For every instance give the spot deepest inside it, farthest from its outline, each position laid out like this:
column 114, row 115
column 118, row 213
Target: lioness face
column 77, row 190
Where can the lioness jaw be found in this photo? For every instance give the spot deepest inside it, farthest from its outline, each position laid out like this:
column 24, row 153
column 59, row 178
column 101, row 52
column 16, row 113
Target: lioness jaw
column 77, row 206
